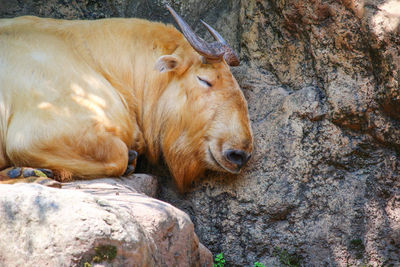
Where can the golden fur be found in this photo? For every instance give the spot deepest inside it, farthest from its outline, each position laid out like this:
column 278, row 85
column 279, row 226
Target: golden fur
column 76, row 95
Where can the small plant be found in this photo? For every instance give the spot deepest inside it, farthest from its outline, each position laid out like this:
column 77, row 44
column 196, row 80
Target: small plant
column 219, row 260
column 286, row 258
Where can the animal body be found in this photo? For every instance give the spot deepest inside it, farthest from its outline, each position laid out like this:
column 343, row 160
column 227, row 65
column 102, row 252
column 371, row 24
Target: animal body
column 77, row 96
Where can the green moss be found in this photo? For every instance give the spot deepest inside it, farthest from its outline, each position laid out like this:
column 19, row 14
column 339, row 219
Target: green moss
column 101, row 253
column 97, row 259
column 104, row 253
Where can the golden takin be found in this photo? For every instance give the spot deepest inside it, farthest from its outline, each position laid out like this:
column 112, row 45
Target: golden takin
column 81, row 99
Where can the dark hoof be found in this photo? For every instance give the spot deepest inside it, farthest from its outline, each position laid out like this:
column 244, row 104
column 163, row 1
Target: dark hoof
column 14, row 173
column 132, row 155
column 49, row 173
column 129, row 170
column 29, row 172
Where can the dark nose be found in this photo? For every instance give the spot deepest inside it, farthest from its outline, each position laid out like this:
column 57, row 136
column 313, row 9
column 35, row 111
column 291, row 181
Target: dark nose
column 237, row 157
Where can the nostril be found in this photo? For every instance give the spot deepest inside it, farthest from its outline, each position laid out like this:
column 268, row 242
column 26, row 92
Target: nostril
column 237, row 157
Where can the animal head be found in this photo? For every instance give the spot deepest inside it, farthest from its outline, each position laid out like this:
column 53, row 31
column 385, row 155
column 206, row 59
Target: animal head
column 203, row 115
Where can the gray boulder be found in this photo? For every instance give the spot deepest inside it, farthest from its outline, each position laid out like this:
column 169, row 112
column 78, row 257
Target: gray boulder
column 103, row 222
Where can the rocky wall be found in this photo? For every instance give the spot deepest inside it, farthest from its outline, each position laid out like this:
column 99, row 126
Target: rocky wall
column 322, row 82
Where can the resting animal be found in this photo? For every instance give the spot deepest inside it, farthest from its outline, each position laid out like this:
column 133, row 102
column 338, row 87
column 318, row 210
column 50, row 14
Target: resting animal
column 80, row 98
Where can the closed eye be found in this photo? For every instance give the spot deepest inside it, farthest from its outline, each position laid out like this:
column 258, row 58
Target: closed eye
column 204, row 82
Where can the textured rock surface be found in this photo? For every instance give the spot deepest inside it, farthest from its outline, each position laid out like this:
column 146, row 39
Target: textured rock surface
column 105, row 218
column 322, row 81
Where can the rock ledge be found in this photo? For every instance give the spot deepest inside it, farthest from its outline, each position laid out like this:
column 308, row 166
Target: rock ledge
column 103, row 221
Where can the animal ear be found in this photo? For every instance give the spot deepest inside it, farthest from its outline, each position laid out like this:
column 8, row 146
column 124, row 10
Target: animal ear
column 167, row 63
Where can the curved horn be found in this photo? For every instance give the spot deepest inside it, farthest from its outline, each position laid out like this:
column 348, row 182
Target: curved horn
column 214, row 33
column 230, row 56
column 212, row 51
